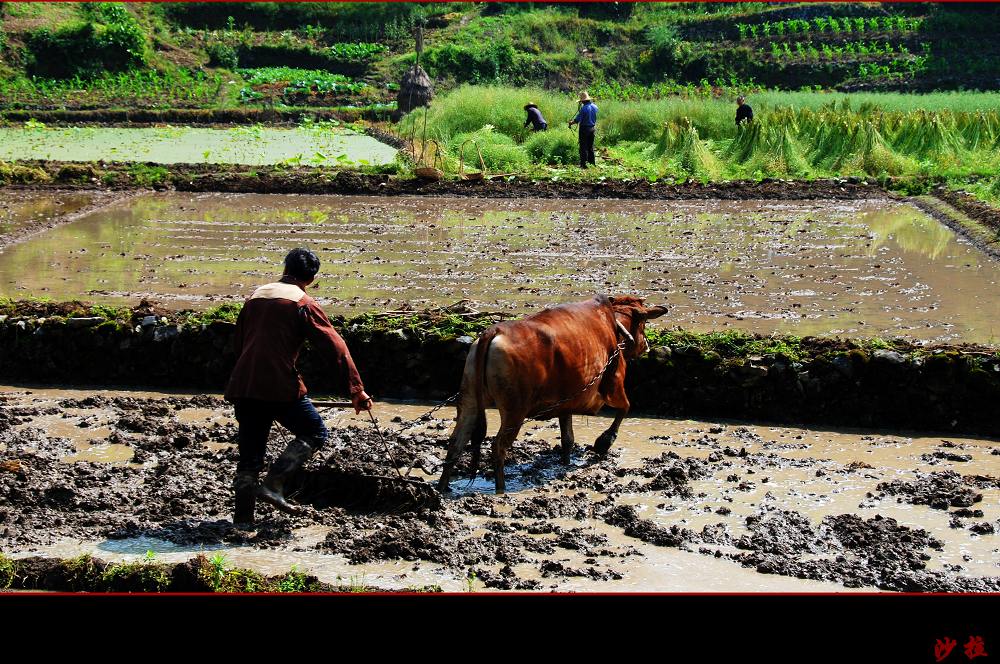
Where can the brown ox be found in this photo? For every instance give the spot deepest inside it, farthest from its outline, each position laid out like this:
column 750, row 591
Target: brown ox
column 545, row 366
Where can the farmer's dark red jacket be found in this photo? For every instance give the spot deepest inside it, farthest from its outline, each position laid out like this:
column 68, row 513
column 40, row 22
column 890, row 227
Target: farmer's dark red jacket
column 270, row 331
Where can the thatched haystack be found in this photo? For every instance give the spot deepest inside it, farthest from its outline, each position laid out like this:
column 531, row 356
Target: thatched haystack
column 415, row 90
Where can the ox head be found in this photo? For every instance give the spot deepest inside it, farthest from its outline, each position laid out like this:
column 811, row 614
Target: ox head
column 630, row 320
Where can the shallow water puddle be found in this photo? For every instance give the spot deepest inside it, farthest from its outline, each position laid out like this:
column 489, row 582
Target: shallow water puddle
column 814, row 472
column 862, row 268
column 194, row 145
column 20, row 209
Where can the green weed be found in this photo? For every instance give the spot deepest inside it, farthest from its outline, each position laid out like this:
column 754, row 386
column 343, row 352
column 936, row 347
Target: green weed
column 146, row 175
column 110, row 312
column 227, row 313
column 141, row 575
column 82, row 574
column 293, row 582
column 215, row 572
column 8, row 571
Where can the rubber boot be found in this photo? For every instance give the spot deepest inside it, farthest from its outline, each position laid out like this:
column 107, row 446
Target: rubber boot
column 245, row 490
column 272, row 489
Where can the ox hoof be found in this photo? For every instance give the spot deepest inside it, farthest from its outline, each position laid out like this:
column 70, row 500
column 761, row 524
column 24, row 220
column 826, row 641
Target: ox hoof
column 603, row 444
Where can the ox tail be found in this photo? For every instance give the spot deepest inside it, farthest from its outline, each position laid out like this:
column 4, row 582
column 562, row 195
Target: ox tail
column 479, row 432
column 482, row 349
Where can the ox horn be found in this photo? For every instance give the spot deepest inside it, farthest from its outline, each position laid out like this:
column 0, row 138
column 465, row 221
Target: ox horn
column 628, row 335
column 656, row 312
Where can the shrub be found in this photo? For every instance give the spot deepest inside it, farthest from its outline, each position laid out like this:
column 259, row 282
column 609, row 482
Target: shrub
column 88, row 49
column 558, row 147
column 492, row 61
column 631, row 123
column 148, row 175
column 222, row 55
column 500, row 152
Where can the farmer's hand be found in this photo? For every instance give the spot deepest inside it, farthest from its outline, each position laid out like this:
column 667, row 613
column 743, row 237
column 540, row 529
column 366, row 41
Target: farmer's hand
column 361, row 401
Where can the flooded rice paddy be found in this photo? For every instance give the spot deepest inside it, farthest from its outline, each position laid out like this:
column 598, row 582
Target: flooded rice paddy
column 848, row 268
column 27, row 208
column 192, row 145
column 678, row 505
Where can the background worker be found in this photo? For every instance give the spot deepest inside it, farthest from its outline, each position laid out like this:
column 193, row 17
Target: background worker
column 587, row 119
column 265, row 385
column 535, row 118
column 743, row 111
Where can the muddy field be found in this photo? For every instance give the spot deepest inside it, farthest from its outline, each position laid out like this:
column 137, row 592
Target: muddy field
column 677, row 505
column 851, row 268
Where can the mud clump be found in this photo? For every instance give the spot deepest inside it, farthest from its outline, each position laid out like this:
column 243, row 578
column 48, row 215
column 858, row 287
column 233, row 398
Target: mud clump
column 505, row 579
column 577, row 507
column 176, row 488
column 626, row 518
column 670, row 473
column 875, row 552
column 782, row 532
column 398, row 538
column 938, row 490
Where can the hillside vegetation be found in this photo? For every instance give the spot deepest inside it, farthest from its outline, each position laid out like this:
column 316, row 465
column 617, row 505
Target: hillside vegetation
column 165, row 55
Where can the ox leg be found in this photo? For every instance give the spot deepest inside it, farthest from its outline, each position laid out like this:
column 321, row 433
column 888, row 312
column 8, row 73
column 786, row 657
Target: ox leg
column 465, row 428
column 509, row 428
column 604, row 441
column 478, row 436
column 566, row 436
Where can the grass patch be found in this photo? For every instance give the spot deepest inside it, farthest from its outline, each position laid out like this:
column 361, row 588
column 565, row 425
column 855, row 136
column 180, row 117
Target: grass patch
column 500, row 152
column 226, row 313
column 729, row 343
column 293, row 582
column 82, row 573
column 8, row 571
column 140, row 576
column 110, row 312
column 986, row 190
column 558, row 146
column 867, row 135
column 20, row 174
column 242, row 581
column 146, row 175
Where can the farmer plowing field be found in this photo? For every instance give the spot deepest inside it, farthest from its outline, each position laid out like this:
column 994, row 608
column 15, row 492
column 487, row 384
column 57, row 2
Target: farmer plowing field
column 265, row 385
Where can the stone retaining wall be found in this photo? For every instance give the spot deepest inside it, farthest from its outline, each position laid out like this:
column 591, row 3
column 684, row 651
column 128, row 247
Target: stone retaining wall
column 834, row 382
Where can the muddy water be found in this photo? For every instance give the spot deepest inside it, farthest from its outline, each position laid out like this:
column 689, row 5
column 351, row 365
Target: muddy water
column 861, row 268
column 813, row 472
column 191, row 145
column 21, row 209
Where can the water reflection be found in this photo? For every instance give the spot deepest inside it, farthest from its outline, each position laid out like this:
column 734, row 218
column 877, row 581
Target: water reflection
column 193, row 145
column 802, row 267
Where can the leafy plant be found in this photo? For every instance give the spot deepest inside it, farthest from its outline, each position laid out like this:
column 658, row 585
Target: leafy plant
column 293, row 582
column 8, row 571
column 222, row 55
column 216, row 571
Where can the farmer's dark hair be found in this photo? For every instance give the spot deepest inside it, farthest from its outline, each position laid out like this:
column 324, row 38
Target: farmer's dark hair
column 301, row 264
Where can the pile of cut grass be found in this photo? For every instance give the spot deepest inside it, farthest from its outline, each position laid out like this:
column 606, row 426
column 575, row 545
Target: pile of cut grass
column 825, row 135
